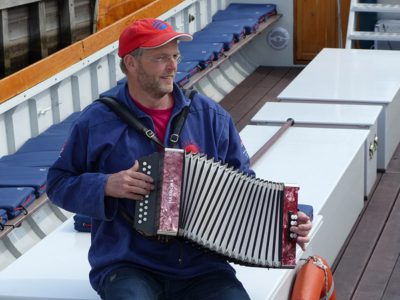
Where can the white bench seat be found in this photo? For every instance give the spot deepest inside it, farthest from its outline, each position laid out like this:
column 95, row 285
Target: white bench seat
column 355, row 76
column 329, row 116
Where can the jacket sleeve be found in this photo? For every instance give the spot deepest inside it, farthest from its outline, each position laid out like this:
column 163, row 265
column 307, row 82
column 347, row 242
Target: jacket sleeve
column 232, row 148
column 74, row 183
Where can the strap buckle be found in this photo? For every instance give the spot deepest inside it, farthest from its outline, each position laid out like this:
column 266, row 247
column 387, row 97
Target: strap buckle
column 149, row 133
column 174, row 138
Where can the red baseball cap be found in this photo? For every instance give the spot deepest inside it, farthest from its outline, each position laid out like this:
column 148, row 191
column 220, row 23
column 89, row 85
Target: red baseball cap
column 148, row 33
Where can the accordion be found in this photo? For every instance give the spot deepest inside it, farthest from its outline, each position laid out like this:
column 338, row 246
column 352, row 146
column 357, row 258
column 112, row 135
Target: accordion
column 243, row 218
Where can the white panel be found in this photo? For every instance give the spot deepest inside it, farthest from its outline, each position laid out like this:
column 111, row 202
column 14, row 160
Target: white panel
column 44, row 110
column 103, row 74
column 44, row 220
column 3, row 137
column 6, row 256
column 21, row 123
column 23, row 237
column 85, row 93
column 66, row 103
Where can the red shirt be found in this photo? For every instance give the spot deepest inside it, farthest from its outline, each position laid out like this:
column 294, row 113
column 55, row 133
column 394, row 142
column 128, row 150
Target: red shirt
column 160, row 118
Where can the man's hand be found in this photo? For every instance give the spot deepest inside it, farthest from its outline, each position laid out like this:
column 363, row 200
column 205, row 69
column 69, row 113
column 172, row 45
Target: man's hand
column 130, row 184
column 302, row 229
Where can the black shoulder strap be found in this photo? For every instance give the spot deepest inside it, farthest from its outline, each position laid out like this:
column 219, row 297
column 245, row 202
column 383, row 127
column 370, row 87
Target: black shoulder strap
column 124, row 113
column 180, row 120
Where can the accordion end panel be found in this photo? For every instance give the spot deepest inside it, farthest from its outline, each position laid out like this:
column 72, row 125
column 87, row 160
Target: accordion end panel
column 290, row 217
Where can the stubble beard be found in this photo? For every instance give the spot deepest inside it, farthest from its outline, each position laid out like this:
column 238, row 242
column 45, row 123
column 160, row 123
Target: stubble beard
column 152, row 85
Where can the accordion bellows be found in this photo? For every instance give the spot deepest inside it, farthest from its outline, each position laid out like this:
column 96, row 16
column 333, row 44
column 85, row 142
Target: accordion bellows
column 243, row 218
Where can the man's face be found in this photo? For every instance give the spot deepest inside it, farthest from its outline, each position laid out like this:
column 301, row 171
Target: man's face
column 157, row 68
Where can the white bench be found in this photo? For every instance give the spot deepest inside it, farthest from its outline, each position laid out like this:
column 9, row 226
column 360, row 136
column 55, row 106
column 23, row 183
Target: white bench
column 329, row 116
column 327, row 164
column 57, row 268
column 355, row 76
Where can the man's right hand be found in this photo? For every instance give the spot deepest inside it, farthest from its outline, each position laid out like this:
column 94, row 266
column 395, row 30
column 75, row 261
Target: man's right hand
column 130, row 184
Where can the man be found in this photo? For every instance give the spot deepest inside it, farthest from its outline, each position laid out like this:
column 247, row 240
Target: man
column 97, row 174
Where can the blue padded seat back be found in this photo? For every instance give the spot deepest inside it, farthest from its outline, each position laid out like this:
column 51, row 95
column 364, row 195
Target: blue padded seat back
column 15, row 200
column 16, row 176
column 82, row 223
column 43, row 143
column 3, row 218
column 191, row 67
column 31, row 159
column 227, row 39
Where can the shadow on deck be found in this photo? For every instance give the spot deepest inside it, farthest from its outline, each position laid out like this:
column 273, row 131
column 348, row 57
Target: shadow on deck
column 368, row 266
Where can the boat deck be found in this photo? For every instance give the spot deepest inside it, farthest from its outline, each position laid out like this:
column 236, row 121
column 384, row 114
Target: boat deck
column 368, row 266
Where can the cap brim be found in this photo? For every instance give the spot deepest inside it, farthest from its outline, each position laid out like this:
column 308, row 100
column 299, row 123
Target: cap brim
column 162, row 40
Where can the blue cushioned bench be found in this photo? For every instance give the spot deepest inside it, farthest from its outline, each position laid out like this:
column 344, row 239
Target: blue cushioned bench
column 31, row 159
column 16, row 176
column 227, row 39
column 229, row 27
column 49, row 142
column 191, row 67
column 15, row 200
column 239, row 10
column 193, row 47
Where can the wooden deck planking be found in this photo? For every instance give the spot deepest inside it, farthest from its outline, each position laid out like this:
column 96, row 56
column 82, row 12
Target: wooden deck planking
column 394, row 164
column 383, row 260
column 351, row 265
column 368, row 266
column 263, row 85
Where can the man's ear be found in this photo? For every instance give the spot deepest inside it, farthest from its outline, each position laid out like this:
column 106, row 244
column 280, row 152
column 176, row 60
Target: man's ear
column 129, row 61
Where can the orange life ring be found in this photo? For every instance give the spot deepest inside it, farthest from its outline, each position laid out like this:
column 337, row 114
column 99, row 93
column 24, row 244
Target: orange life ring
column 314, row 281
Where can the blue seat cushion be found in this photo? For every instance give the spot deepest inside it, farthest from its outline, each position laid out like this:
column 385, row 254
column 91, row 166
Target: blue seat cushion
column 203, row 55
column 223, row 15
column 82, row 223
column 17, row 176
column 15, row 200
column 191, row 67
column 227, row 39
column 263, row 10
column 43, row 143
column 234, row 28
column 216, row 48
column 31, row 159
column 250, row 25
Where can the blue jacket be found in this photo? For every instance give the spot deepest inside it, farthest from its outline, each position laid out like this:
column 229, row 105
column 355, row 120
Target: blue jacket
column 100, row 144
